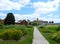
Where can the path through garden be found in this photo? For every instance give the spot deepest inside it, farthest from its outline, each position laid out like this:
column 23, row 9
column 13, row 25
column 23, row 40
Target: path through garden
column 38, row 37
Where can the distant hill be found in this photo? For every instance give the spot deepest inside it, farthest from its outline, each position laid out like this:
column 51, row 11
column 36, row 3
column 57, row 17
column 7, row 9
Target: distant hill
column 57, row 23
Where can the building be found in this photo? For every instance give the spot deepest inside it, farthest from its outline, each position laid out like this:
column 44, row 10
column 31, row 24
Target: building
column 41, row 22
column 22, row 22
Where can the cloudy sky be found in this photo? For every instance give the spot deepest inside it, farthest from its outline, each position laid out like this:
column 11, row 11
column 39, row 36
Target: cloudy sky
column 47, row 10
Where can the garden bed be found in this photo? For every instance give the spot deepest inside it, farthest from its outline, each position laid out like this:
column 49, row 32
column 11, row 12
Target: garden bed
column 26, row 37
column 50, row 33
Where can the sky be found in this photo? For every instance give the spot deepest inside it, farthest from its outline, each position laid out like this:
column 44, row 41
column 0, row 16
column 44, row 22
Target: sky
column 46, row 10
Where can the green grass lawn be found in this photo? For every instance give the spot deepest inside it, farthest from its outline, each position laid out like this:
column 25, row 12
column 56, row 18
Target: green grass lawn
column 47, row 32
column 26, row 39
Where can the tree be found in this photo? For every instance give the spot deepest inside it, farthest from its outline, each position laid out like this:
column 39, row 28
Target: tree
column 10, row 19
column 1, row 21
column 51, row 22
column 28, row 21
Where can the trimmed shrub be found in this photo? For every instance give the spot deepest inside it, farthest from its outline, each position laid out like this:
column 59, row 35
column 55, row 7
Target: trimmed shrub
column 23, row 28
column 1, row 35
column 12, row 34
column 56, row 36
column 17, row 34
column 5, row 36
column 58, row 28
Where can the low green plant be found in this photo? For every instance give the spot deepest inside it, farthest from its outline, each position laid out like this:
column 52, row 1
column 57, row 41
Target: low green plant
column 1, row 34
column 56, row 36
column 29, row 26
column 42, row 27
column 52, row 35
column 17, row 34
column 23, row 28
column 26, row 39
column 46, row 31
column 1, row 26
column 58, row 28
column 12, row 34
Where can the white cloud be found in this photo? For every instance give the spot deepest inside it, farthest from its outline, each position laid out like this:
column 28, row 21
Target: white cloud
column 21, row 17
column 46, row 7
column 2, row 16
column 10, row 5
column 51, row 17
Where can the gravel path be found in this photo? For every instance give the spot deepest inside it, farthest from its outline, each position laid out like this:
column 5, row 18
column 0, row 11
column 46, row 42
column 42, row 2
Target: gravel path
column 38, row 38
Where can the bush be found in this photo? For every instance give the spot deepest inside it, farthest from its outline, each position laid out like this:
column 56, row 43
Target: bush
column 17, row 34
column 12, row 34
column 18, row 27
column 29, row 26
column 46, row 31
column 58, row 28
column 42, row 27
column 1, row 26
column 1, row 35
column 9, row 26
column 56, row 36
column 23, row 28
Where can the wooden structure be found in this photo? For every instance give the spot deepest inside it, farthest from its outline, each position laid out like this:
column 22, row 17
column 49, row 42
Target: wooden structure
column 22, row 22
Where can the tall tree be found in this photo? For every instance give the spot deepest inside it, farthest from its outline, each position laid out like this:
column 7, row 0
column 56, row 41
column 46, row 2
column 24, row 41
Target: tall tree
column 10, row 19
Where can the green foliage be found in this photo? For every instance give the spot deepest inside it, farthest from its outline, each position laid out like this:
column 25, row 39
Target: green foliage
column 9, row 19
column 56, row 36
column 24, row 29
column 58, row 28
column 1, row 26
column 29, row 26
column 46, row 31
column 9, row 26
column 17, row 27
column 1, row 35
column 42, row 27
column 53, row 36
column 51, row 28
column 34, row 23
column 1, row 21
column 12, row 34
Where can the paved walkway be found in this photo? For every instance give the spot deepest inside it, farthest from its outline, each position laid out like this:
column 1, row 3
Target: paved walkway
column 38, row 38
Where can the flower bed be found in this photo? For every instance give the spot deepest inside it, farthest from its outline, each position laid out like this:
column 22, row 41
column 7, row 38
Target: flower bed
column 11, row 34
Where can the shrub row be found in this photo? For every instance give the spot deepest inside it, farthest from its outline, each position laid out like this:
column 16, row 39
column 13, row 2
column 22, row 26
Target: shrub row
column 56, row 36
column 11, row 34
